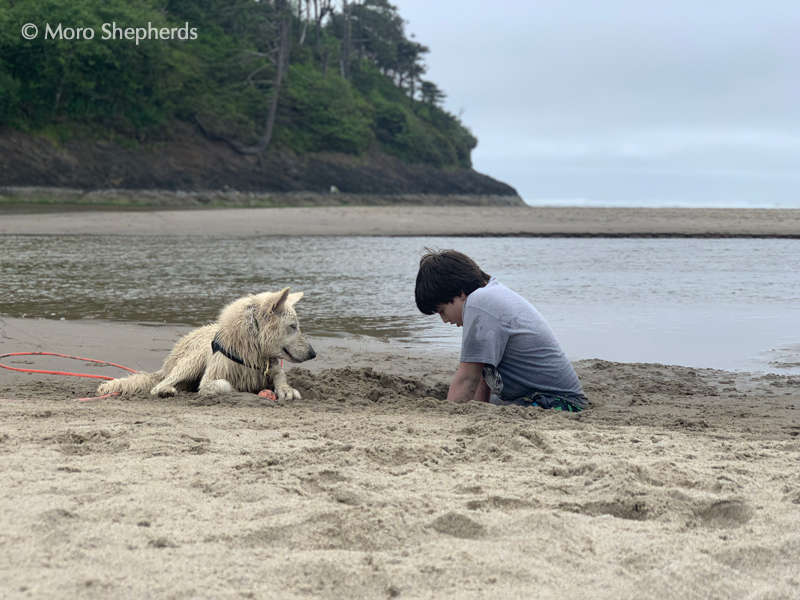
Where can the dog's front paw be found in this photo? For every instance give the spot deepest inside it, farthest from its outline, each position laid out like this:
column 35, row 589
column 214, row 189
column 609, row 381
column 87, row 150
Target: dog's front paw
column 287, row 393
column 164, row 391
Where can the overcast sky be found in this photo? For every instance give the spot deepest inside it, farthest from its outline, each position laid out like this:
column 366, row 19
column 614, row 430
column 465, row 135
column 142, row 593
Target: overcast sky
column 670, row 101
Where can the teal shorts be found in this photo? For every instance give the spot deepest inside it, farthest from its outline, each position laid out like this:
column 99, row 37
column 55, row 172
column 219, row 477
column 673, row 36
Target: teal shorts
column 541, row 400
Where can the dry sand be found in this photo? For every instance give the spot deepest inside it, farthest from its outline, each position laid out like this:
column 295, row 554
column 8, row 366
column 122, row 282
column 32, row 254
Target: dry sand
column 677, row 483
column 414, row 220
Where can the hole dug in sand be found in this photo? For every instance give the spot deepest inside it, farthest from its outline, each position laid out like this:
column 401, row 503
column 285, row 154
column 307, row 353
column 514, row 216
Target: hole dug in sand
column 347, row 385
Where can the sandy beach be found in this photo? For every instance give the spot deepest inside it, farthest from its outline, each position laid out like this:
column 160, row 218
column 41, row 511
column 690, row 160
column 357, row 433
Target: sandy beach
column 413, row 220
column 676, row 483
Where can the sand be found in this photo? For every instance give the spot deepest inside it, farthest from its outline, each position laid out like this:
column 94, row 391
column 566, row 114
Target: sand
column 677, row 483
column 414, row 220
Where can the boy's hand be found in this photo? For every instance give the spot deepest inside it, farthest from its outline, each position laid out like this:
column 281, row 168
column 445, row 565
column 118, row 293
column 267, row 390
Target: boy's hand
column 465, row 383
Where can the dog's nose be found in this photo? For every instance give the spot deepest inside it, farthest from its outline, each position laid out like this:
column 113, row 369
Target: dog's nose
column 311, row 353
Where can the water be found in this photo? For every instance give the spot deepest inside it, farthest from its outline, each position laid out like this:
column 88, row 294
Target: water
column 721, row 303
column 665, row 203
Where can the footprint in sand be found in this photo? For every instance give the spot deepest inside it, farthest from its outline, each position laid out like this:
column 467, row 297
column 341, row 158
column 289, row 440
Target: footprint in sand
column 725, row 514
column 459, row 526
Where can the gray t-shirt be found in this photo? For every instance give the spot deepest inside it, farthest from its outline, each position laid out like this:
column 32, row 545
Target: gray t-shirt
column 522, row 355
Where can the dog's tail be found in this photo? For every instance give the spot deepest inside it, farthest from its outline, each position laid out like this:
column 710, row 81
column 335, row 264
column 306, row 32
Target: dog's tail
column 138, row 383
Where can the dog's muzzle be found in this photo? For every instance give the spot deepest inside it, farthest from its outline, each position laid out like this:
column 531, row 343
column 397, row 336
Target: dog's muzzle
column 309, row 355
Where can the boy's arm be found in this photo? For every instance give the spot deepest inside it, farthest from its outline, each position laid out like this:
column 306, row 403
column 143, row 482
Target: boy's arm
column 466, row 383
column 483, row 393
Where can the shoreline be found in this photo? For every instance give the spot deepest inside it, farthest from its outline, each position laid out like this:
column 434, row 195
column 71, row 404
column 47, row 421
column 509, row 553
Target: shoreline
column 397, row 220
column 147, row 345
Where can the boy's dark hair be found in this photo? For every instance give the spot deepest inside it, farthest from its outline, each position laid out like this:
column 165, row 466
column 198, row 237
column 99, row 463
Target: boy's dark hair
column 443, row 275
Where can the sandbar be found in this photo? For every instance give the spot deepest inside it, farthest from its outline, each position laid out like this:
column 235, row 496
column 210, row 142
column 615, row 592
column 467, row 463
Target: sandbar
column 411, row 221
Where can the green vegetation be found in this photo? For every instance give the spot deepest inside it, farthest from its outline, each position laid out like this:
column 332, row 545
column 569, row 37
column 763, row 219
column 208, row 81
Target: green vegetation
column 305, row 75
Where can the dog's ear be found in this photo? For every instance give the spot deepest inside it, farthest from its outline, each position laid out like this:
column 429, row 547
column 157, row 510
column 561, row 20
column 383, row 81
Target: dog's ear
column 293, row 298
column 277, row 301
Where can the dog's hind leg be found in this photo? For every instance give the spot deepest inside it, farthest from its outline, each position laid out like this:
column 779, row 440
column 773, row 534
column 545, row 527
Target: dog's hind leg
column 186, row 364
column 216, row 386
column 138, row 383
column 167, row 387
column 184, row 375
column 222, row 376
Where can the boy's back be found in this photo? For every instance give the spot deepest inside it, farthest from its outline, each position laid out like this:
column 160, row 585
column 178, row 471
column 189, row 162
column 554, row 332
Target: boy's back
column 509, row 354
column 521, row 353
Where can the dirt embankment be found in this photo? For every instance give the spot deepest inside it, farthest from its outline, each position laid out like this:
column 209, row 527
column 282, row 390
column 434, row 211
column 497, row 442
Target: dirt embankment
column 190, row 162
column 38, row 198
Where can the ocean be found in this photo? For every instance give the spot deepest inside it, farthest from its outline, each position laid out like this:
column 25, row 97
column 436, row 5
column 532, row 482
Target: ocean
column 708, row 303
column 665, row 203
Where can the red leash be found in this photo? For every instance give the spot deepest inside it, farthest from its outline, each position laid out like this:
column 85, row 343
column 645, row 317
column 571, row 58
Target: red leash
column 102, row 362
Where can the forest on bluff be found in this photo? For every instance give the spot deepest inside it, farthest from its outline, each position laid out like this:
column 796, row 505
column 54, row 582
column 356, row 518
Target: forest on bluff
column 300, row 75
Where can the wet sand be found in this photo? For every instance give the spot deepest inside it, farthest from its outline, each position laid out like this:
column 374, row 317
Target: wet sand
column 677, row 483
column 414, row 221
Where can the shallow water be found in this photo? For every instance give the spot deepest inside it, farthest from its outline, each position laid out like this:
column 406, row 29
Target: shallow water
column 720, row 303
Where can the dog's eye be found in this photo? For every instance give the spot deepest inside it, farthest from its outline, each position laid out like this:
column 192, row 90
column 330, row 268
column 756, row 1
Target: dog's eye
column 293, row 326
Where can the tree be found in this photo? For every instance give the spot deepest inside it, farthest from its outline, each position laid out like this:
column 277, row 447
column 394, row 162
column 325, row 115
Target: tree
column 378, row 31
column 322, row 8
column 410, row 66
column 283, row 24
column 431, row 94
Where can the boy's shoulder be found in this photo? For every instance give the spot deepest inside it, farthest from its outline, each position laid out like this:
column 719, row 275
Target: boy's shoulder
column 498, row 300
column 492, row 294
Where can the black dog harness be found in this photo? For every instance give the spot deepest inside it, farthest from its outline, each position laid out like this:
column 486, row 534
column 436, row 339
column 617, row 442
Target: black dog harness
column 231, row 355
column 216, row 346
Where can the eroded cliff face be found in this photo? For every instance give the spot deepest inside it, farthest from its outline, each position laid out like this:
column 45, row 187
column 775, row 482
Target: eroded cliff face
column 189, row 161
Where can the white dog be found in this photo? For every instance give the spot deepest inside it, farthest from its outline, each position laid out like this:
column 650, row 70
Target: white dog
column 242, row 352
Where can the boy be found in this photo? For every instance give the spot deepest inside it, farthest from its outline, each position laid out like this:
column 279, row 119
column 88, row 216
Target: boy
column 509, row 354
